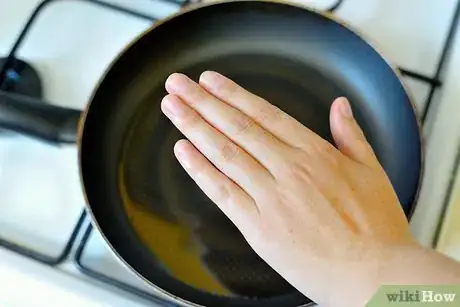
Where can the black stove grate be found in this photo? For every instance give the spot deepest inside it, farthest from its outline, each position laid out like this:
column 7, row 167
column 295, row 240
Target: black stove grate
column 43, row 258
column 8, row 71
column 107, row 279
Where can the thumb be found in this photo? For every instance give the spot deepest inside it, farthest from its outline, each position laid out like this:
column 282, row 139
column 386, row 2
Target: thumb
column 347, row 134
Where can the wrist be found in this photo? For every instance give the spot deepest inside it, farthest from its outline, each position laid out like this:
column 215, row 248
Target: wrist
column 417, row 265
column 380, row 264
column 408, row 264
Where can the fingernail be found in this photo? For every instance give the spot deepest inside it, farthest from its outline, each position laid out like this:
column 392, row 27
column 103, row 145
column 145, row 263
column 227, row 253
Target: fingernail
column 181, row 154
column 176, row 82
column 346, row 108
column 172, row 106
column 210, row 78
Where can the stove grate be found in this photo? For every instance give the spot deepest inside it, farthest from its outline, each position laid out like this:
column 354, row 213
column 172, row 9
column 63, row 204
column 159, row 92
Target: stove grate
column 8, row 69
column 107, row 279
column 43, row 258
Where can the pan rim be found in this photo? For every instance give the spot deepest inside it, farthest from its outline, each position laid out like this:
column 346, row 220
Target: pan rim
column 197, row 6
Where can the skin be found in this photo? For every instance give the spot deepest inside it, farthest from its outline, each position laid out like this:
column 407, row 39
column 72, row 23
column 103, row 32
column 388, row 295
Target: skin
column 325, row 218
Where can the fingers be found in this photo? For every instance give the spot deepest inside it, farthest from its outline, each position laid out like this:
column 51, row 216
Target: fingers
column 235, row 203
column 236, row 125
column 271, row 118
column 220, row 151
column 348, row 135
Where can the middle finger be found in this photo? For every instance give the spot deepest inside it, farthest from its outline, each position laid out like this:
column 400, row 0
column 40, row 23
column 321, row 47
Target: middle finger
column 236, row 125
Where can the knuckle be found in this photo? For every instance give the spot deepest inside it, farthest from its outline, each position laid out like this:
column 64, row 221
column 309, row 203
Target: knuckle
column 299, row 172
column 227, row 87
column 325, row 154
column 268, row 113
column 297, row 169
column 277, row 114
column 333, row 160
column 317, row 148
column 230, row 152
column 222, row 194
column 191, row 119
column 327, row 150
column 262, row 115
column 243, row 124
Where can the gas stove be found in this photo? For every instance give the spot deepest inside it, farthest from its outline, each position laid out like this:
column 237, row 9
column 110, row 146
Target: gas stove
column 57, row 50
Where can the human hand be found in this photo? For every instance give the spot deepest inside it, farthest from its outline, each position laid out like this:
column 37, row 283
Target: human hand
column 323, row 218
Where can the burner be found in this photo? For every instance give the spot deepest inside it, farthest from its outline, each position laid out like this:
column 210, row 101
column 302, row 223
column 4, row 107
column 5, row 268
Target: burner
column 21, row 78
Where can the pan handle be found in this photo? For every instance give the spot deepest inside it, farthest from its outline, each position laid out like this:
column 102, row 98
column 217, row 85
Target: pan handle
column 37, row 119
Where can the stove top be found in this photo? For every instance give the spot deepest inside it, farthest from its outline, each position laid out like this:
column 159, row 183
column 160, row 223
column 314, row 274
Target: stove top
column 68, row 44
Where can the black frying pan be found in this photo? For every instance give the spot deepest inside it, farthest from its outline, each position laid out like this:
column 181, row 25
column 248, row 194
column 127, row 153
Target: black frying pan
column 151, row 214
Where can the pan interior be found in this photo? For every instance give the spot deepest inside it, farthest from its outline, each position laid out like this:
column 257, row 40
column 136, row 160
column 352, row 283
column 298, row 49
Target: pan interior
column 167, row 229
column 186, row 231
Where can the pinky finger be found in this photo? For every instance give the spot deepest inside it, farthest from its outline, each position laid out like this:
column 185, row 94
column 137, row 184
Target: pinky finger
column 234, row 202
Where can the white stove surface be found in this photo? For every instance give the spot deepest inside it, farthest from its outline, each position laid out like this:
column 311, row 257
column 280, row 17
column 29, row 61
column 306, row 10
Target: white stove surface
column 71, row 44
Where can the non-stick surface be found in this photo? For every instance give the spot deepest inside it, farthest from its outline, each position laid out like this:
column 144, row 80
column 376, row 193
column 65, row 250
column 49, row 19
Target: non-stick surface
column 153, row 214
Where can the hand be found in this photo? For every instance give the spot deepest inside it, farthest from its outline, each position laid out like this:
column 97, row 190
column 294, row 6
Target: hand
column 323, row 218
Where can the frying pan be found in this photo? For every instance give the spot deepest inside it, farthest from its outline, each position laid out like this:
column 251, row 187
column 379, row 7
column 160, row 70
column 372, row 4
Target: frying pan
column 149, row 211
